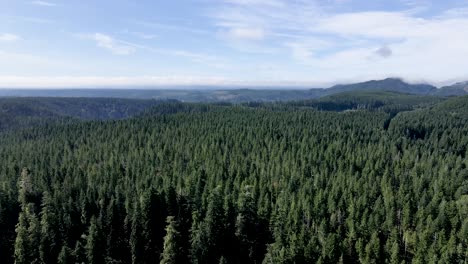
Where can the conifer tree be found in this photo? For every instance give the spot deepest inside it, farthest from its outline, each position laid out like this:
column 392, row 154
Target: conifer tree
column 28, row 227
column 171, row 243
column 94, row 253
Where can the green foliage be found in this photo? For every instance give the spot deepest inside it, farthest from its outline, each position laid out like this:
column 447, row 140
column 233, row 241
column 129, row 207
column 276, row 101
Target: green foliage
column 259, row 183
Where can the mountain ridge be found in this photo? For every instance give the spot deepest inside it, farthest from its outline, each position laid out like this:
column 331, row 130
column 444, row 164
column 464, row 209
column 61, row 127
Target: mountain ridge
column 388, row 84
column 243, row 94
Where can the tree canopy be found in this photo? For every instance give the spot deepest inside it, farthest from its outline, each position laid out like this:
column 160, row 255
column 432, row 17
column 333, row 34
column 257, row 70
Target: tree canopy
column 252, row 183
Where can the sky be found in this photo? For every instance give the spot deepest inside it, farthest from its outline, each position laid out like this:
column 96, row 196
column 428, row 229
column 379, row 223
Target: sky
column 305, row 43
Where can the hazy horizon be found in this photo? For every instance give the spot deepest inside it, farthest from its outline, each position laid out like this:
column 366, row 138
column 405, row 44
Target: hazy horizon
column 211, row 87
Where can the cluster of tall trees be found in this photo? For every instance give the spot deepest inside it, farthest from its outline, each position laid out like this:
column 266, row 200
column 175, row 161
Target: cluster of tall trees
column 239, row 184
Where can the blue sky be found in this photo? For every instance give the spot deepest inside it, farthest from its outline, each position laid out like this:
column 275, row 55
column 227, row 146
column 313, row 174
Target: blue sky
column 312, row 43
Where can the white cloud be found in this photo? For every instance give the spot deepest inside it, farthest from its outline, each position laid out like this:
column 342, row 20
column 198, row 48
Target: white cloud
column 273, row 17
column 170, row 27
column 304, row 49
column 113, row 45
column 43, row 3
column 6, row 37
column 106, row 81
column 455, row 12
column 121, row 47
column 420, row 47
column 29, row 19
column 244, row 33
column 257, row 2
column 143, row 35
column 64, row 82
column 392, row 25
column 194, row 56
column 329, row 44
column 307, row 41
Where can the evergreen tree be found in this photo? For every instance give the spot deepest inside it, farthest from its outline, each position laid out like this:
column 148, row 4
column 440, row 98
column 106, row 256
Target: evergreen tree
column 94, row 253
column 28, row 227
column 171, row 251
column 247, row 229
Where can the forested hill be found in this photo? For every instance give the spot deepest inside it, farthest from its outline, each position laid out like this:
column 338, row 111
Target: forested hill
column 391, row 102
column 245, row 183
column 455, row 106
column 84, row 108
column 389, row 84
column 460, row 88
column 18, row 112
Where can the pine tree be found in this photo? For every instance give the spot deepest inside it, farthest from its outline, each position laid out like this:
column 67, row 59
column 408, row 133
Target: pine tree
column 28, row 227
column 48, row 246
column 94, row 254
column 213, row 227
column 395, row 253
column 171, row 244
column 21, row 242
column 64, row 256
column 198, row 240
column 246, row 227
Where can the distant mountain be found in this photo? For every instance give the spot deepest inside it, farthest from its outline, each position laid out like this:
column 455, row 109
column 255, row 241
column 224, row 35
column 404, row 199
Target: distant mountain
column 397, row 85
column 389, row 85
column 456, row 89
column 240, row 95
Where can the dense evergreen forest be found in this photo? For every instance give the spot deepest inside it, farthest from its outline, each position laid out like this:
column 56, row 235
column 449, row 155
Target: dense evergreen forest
column 29, row 111
column 351, row 178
